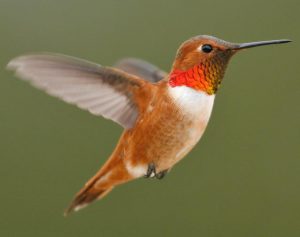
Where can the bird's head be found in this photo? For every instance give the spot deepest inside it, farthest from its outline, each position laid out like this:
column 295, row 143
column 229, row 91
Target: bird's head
column 201, row 61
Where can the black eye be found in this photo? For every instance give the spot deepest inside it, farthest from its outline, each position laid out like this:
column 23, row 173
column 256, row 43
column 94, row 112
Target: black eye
column 206, row 48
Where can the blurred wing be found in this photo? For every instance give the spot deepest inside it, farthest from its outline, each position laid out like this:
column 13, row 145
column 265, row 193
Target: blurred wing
column 100, row 90
column 141, row 69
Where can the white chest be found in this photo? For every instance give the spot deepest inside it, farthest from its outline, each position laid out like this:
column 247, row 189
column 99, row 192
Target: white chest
column 193, row 103
column 197, row 107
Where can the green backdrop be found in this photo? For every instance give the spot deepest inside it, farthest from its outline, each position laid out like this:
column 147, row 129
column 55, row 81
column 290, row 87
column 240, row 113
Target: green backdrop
column 243, row 177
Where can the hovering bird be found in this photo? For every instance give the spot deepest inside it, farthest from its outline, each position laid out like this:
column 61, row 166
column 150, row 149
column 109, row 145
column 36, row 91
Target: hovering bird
column 163, row 114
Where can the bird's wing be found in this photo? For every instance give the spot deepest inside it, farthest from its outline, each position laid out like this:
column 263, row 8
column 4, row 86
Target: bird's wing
column 141, row 68
column 103, row 91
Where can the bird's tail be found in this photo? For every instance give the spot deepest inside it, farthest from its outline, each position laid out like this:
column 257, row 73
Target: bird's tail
column 99, row 185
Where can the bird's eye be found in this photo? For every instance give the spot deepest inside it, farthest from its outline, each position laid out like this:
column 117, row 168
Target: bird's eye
column 206, row 48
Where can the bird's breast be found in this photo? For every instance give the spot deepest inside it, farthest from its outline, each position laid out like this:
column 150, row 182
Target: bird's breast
column 170, row 127
column 194, row 108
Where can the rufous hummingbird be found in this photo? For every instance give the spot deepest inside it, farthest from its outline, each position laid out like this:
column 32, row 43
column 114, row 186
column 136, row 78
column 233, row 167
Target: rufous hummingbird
column 163, row 115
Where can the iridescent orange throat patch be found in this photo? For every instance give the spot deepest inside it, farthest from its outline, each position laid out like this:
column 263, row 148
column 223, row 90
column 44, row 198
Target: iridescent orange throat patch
column 204, row 77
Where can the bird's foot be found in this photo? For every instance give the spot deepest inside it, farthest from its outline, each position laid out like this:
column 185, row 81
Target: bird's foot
column 151, row 172
column 161, row 174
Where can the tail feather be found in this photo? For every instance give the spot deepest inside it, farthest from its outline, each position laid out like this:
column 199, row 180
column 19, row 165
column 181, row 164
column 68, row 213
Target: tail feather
column 103, row 182
column 85, row 197
column 96, row 188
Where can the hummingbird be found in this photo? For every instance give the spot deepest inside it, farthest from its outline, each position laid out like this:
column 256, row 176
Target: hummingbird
column 163, row 114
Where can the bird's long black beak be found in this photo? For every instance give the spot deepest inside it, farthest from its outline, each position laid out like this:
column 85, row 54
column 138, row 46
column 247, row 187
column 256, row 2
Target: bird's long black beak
column 259, row 43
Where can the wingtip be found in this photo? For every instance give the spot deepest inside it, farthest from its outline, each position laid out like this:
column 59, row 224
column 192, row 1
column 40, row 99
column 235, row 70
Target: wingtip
column 17, row 62
column 12, row 65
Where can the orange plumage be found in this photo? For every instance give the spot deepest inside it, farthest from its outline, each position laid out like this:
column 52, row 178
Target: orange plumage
column 163, row 115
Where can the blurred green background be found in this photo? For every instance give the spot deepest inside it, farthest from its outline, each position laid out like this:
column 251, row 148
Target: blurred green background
column 242, row 179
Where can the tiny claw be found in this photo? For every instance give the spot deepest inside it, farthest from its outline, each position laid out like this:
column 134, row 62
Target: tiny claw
column 161, row 174
column 151, row 172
